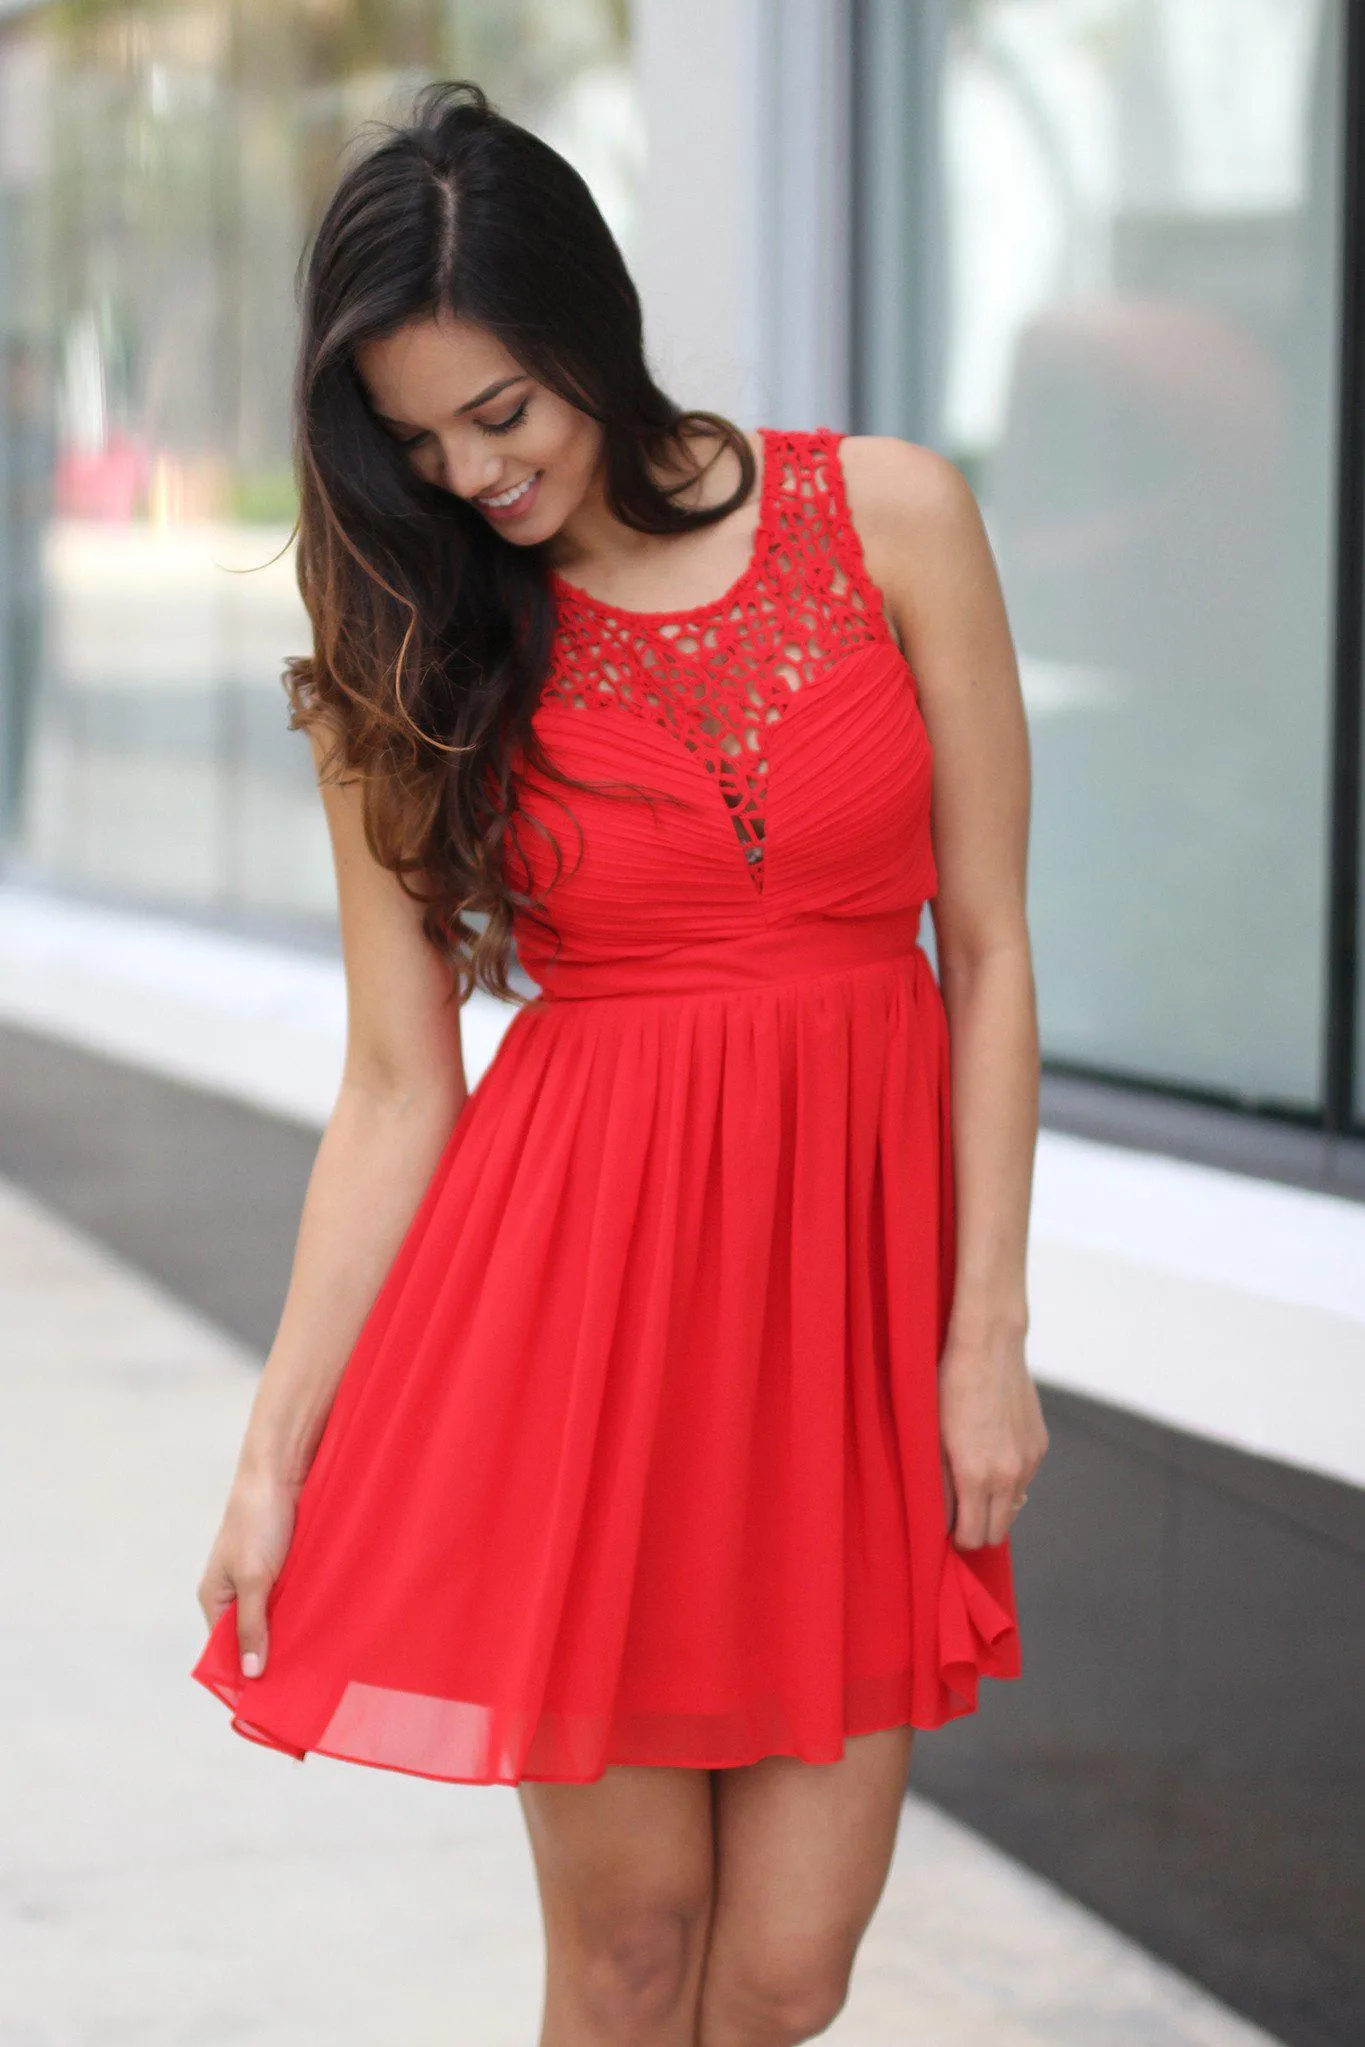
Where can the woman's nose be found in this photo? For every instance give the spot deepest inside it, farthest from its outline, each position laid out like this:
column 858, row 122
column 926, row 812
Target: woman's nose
column 470, row 472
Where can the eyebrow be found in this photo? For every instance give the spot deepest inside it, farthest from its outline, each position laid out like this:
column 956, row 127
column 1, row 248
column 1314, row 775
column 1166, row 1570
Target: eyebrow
column 471, row 405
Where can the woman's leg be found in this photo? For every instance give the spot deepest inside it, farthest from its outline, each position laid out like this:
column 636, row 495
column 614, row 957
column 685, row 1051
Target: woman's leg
column 624, row 1868
column 802, row 1855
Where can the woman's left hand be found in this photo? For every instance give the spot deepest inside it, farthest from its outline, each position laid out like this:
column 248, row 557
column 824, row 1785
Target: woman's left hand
column 992, row 1434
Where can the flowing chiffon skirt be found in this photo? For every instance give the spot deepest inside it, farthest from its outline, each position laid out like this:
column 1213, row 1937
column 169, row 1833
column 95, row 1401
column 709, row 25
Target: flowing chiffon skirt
column 631, row 1463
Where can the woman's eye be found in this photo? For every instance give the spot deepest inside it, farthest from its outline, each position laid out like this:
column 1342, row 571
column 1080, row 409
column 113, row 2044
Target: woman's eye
column 505, row 426
column 415, row 441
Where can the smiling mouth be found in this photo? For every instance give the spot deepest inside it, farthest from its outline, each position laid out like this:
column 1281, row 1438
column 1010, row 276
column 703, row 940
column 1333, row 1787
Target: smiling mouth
column 506, row 497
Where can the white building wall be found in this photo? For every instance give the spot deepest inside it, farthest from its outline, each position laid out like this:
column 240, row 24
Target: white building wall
column 742, row 249
column 697, row 233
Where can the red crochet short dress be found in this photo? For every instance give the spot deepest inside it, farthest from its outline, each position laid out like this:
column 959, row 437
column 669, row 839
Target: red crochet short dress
column 636, row 1459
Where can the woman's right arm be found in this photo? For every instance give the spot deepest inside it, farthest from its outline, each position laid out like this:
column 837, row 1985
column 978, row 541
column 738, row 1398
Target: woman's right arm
column 403, row 1087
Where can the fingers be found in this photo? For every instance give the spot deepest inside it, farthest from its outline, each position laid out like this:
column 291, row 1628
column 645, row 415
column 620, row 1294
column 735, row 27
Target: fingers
column 252, row 1588
column 987, row 1508
column 981, row 1521
column 989, row 1474
column 215, row 1593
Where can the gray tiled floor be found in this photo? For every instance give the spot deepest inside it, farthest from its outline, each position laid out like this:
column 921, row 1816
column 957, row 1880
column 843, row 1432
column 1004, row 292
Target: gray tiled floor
column 165, row 1883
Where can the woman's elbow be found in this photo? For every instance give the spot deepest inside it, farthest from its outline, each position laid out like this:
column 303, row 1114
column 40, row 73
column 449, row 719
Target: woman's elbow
column 404, row 1084
column 965, row 949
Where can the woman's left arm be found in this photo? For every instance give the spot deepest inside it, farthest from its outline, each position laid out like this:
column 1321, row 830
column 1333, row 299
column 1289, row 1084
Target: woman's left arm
column 927, row 548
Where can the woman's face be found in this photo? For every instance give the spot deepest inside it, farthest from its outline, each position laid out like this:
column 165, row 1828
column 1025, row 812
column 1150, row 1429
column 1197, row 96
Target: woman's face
column 473, row 422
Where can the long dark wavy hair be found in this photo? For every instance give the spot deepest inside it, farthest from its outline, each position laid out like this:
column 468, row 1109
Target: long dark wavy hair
column 432, row 634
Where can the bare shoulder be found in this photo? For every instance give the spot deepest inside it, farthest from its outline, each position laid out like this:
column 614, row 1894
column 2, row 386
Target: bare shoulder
column 899, row 490
column 918, row 520
column 894, row 484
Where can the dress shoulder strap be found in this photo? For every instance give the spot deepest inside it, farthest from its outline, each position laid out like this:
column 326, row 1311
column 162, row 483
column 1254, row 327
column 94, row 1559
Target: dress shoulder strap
column 815, row 547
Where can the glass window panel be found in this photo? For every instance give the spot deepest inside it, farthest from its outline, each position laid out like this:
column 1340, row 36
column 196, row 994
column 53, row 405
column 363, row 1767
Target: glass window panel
column 1128, row 238
column 159, row 169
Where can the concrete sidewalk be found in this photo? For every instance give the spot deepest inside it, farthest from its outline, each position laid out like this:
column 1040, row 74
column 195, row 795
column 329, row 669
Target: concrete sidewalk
column 168, row 1884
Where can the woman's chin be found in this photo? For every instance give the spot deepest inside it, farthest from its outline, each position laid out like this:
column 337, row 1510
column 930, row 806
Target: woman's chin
column 532, row 532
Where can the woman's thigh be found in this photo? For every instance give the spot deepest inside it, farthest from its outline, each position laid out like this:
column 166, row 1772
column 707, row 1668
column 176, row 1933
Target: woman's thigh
column 802, row 1855
column 625, row 1868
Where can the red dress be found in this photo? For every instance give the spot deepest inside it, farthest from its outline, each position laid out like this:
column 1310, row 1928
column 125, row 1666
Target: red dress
column 636, row 1459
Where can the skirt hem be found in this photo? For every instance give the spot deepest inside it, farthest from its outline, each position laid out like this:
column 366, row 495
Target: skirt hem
column 957, row 1706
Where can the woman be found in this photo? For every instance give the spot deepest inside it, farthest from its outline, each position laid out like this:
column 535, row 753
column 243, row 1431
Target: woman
column 644, row 1427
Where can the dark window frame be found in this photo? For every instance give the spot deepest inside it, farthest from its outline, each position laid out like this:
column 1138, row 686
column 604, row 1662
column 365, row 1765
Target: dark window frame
column 1344, row 1106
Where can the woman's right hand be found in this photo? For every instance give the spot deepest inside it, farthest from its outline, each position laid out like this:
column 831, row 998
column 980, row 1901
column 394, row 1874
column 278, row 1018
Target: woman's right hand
column 246, row 1559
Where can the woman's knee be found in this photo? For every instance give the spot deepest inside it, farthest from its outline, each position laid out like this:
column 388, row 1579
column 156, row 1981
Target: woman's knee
column 773, row 2000
column 625, row 1867
column 636, row 1961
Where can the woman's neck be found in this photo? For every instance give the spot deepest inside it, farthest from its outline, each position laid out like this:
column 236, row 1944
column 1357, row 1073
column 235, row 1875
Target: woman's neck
column 593, row 538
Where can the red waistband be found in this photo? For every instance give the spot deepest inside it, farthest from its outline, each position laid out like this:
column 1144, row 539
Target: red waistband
column 756, row 959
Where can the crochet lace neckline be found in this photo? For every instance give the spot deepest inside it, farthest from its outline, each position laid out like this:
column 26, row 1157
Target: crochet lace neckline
column 720, row 675
column 573, row 594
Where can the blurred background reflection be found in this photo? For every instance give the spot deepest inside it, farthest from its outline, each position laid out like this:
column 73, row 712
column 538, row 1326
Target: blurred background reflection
column 1129, row 343
column 160, row 166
